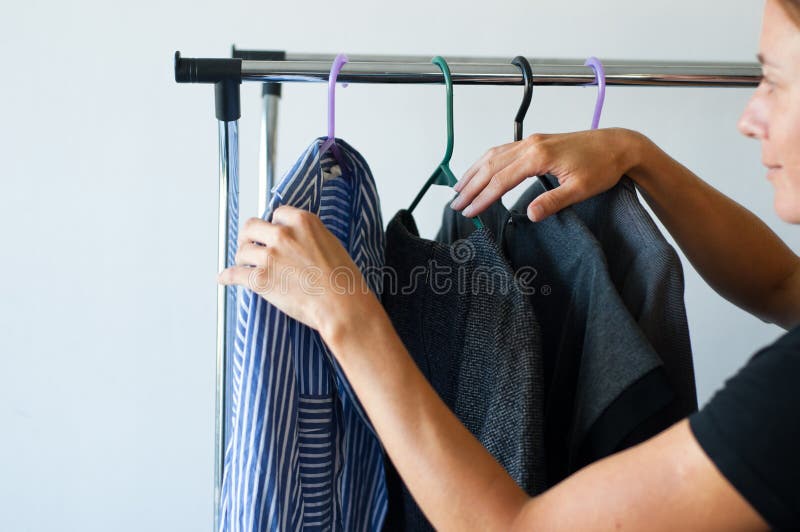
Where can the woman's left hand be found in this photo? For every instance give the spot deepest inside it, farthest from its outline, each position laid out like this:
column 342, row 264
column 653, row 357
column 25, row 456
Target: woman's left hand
column 298, row 265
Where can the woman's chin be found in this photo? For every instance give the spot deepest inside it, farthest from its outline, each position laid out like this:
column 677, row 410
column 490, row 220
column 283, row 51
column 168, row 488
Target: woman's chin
column 787, row 208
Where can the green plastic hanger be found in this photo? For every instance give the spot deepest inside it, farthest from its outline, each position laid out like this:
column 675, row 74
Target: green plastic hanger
column 443, row 175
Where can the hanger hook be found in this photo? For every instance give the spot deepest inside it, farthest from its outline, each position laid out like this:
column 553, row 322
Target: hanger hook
column 448, row 80
column 338, row 63
column 527, row 76
column 600, row 80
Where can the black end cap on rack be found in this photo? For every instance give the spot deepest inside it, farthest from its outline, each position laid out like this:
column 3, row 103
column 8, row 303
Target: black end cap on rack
column 189, row 70
column 227, row 99
column 273, row 88
column 225, row 74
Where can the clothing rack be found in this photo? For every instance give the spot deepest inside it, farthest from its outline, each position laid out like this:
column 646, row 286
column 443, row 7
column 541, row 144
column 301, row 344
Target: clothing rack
column 275, row 67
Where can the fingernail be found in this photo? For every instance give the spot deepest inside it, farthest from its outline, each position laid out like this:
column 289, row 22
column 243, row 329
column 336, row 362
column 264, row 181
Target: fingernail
column 468, row 211
column 458, row 185
column 457, row 203
column 537, row 213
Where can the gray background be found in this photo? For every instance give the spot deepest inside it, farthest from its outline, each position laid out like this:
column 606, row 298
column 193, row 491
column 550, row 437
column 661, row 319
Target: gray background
column 109, row 206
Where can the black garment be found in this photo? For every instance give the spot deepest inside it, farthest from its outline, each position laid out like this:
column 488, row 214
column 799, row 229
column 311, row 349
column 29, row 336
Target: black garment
column 751, row 430
column 474, row 336
column 648, row 275
column 604, row 383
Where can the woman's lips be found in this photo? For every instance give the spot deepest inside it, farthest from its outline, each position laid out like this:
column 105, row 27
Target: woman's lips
column 772, row 170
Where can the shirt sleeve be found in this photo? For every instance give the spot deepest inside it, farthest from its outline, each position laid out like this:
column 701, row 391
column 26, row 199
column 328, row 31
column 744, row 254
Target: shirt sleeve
column 751, row 431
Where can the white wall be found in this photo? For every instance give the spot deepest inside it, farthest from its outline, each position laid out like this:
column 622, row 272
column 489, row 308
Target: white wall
column 109, row 206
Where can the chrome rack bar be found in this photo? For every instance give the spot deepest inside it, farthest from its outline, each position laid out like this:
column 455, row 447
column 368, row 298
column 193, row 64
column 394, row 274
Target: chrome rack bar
column 474, row 71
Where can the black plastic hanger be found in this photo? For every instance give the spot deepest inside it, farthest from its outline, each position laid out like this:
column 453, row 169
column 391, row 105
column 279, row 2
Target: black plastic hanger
column 527, row 76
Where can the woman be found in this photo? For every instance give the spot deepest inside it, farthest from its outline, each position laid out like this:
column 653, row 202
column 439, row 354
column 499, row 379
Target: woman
column 731, row 466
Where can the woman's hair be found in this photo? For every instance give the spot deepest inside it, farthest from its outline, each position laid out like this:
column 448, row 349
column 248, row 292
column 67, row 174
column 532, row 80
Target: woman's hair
column 792, row 8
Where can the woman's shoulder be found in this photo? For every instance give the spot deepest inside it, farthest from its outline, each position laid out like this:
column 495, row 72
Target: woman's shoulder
column 751, row 428
column 790, row 341
column 773, row 371
column 778, row 360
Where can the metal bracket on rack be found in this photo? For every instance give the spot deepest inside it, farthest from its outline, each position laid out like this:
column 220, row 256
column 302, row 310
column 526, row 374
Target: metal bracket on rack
column 225, row 74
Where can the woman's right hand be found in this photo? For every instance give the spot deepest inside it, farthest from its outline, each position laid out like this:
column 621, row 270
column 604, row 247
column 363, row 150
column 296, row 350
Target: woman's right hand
column 586, row 163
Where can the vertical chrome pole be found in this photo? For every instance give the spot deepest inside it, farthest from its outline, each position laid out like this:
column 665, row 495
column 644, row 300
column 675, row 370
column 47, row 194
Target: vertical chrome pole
column 269, row 122
column 226, row 295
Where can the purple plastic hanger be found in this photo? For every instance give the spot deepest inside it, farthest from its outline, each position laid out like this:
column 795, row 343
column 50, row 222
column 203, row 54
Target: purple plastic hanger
column 600, row 80
column 340, row 60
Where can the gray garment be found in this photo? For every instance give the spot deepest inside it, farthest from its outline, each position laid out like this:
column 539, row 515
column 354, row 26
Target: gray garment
column 473, row 334
column 604, row 381
column 648, row 274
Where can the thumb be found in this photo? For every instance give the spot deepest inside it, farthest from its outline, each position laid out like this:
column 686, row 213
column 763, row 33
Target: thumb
column 552, row 201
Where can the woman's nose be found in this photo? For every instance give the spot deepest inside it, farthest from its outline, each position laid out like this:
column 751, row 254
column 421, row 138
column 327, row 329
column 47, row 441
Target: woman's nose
column 753, row 122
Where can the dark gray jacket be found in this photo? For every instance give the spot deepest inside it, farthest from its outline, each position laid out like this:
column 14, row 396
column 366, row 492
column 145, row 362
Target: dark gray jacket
column 473, row 334
column 648, row 274
column 604, row 382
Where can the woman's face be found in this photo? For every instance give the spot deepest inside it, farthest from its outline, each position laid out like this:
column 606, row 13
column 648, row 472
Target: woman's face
column 773, row 113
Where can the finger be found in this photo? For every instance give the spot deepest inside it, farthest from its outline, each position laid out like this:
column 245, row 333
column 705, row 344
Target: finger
column 511, row 176
column 288, row 215
column 256, row 230
column 242, row 276
column 252, row 254
column 297, row 226
column 472, row 170
column 552, row 201
column 491, row 166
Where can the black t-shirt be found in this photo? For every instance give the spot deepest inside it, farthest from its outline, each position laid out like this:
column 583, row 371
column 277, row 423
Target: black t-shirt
column 751, row 430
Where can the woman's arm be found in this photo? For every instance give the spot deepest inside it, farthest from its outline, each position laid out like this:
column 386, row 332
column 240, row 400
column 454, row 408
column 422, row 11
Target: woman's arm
column 667, row 483
column 734, row 251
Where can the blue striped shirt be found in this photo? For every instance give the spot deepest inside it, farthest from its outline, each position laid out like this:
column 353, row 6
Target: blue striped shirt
column 302, row 453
